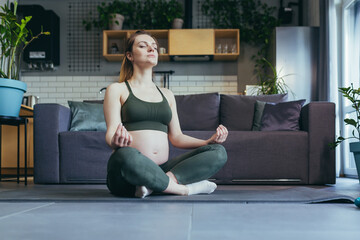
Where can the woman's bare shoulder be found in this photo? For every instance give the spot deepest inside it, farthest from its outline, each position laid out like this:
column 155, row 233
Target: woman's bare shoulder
column 169, row 96
column 116, row 87
column 167, row 92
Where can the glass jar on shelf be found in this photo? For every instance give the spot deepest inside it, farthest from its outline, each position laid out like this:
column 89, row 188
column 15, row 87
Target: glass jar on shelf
column 114, row 49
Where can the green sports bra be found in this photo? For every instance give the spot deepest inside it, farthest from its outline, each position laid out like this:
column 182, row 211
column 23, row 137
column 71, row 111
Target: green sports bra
column 137, row 114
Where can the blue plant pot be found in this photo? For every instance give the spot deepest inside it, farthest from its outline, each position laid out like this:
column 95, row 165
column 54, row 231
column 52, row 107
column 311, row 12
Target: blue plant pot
column 11, row 95
column 355, row 149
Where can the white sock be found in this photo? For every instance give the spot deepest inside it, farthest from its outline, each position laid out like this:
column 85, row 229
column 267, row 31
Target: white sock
column 204, row 186
column 142, row 191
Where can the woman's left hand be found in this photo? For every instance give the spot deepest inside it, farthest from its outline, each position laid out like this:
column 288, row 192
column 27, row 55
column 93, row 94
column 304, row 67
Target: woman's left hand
column 220, row 135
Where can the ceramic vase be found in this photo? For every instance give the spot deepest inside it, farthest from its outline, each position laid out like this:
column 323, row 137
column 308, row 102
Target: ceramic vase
column 177, row 23
column 116, row 22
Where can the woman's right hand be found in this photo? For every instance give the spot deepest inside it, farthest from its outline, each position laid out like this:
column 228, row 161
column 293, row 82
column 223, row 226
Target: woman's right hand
column 121, row 138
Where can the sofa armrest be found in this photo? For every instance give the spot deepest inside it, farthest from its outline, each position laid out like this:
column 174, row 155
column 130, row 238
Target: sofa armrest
column 318, row 119
column 49, row 120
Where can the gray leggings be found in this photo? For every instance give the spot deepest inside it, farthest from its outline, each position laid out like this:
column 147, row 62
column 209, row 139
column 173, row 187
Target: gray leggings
column 128, row 168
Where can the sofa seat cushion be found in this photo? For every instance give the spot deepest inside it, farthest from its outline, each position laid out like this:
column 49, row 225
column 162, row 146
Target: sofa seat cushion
column 270, row 155
column 237, row 111
column 83, row 157
column 198, row 111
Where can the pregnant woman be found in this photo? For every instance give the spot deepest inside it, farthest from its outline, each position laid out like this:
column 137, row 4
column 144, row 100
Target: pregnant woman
column 140, row 119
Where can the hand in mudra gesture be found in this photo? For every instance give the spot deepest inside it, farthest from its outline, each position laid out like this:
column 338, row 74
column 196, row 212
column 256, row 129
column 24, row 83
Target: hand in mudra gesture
column 220, row 135
column 121, row 138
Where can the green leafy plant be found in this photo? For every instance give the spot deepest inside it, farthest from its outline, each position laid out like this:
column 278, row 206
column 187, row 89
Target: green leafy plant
column 272, row 83
column 254, row 19
column 148, row 14
column 106, row 11
column 156, row 14
column 352, row 94
column 13, row 39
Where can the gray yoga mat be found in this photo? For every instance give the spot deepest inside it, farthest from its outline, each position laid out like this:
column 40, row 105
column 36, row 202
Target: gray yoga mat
column 224, row 193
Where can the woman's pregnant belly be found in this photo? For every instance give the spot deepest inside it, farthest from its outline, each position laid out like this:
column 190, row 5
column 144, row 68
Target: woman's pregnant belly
column 152, row 144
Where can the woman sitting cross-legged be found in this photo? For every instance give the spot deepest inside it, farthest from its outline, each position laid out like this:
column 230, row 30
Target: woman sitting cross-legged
column 140, row 118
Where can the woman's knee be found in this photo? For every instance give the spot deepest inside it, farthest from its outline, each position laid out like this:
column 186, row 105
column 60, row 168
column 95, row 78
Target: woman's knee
column 122, row 157
column 220, row 152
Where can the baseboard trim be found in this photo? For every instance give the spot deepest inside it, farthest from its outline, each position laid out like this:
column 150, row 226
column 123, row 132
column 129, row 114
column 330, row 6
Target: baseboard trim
column 266, row 180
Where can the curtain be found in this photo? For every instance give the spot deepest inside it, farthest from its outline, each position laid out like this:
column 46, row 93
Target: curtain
column 357, row 42
column 323, row 83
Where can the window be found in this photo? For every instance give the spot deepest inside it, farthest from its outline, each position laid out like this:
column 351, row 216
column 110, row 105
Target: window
column 350, row 71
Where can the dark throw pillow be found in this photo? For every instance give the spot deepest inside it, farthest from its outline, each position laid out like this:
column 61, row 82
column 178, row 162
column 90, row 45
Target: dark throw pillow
column 237, row 111
column 198, row 111
column 282, row 116
column 87, row 116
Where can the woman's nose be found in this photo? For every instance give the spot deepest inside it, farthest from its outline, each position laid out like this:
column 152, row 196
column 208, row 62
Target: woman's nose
column 151, row 48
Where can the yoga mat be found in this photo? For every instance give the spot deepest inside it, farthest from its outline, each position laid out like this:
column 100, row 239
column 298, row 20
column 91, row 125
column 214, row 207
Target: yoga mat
column 224, row 193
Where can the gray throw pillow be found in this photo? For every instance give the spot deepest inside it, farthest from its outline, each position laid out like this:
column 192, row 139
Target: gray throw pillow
column 282, row 116
column 87, row 116
column 259, row 109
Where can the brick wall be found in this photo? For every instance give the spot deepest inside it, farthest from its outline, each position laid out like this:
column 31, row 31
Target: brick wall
column 60, row 89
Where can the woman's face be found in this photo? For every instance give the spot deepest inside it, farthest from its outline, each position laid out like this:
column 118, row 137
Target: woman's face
column 144, row 51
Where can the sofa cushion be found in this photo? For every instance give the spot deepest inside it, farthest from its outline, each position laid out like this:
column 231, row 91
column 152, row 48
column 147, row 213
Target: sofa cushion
column 198, row 111
column 256, row 155
column 282, row 116
column 237, row 111
column 87, row 116
column 83, row 157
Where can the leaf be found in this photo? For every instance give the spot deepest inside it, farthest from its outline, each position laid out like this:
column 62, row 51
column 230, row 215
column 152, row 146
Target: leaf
column 350, row 121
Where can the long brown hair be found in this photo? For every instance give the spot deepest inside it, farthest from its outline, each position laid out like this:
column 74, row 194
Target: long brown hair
column 127, row 69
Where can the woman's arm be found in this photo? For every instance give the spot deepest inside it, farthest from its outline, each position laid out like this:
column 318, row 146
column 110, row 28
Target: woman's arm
column 180, row 140
column 116, row 134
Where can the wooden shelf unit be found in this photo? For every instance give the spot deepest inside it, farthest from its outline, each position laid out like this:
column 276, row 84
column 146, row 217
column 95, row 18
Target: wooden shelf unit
column 117, row 37
column 182, row 42
column 231, row 37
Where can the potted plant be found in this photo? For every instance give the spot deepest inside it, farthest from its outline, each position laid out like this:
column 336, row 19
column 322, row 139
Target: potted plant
column 156, row 14
column 255, row 19
column 175, row 14
column 353, row 95
column 271, row 83
column 13, row 40
column 110, row 16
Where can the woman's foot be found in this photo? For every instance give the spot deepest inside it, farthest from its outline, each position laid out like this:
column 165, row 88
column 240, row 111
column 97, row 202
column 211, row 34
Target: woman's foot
column 142, row 191
column 204, row 186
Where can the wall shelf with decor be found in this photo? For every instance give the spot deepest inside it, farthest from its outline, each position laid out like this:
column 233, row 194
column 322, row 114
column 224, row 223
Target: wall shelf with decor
column 178, row 42
column 227, row 44
column 111, row 39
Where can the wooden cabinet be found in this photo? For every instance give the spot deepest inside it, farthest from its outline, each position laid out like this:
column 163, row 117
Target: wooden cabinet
column 191, row 42
column 9, row 143
column 179, row 42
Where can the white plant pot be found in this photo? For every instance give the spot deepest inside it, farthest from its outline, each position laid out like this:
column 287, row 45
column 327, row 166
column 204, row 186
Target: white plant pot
column 116, row 22
column 177, row 23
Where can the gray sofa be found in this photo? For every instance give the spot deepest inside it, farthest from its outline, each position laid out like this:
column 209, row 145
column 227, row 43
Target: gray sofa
column 254, row 157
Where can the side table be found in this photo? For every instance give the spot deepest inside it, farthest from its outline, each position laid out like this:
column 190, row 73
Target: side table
column 16, row 121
